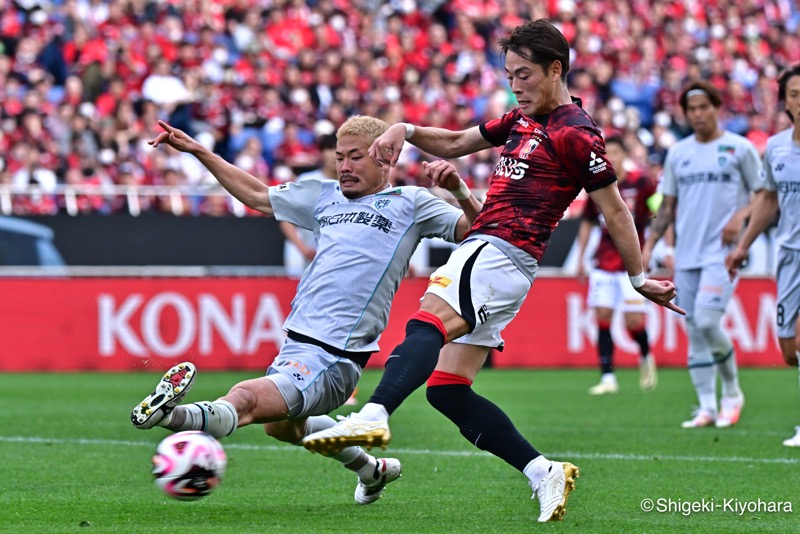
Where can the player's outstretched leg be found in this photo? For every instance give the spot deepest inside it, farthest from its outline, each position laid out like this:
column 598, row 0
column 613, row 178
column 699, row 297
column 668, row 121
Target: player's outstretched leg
column 169, row 392
column 373, row 473
column 554, row 489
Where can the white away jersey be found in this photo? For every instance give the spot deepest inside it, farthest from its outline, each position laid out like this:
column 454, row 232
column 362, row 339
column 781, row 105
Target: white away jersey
column 363, row 250
column 711, row 182
column 782, row 172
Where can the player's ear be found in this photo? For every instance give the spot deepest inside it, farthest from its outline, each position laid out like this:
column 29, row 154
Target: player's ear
column 555, row 69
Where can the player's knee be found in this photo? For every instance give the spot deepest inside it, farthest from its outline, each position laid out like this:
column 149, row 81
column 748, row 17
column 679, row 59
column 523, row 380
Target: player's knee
column 708, row 322
column 426, row 325
column 440, row 397
column 446, row 390
column 243, row 397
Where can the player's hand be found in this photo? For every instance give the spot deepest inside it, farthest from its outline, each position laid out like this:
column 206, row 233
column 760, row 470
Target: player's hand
column 177, row 139
column 733, row 229
column 734, row 261
column 661, row 292
column 442, row 174
column 385, row 150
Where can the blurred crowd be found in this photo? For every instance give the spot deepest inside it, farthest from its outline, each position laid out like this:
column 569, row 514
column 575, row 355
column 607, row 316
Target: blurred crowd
column 83, row 83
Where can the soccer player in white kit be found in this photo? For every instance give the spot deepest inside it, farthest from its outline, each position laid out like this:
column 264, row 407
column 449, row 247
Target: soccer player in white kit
column 367, row 231
column 708, row 179
column 781, row 191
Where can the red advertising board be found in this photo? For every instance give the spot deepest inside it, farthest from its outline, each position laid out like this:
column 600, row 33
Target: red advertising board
column 235, row 323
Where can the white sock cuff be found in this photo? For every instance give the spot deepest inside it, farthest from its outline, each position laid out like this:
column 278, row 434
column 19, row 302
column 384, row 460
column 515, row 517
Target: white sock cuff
column 373, row 412
column 536, row 470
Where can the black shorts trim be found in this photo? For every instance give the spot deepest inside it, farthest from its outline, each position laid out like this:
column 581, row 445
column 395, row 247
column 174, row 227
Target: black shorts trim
column 465, row 289
column 361, row 358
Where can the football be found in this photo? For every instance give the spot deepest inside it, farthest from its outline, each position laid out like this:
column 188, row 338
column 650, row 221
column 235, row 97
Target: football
column 189, row 465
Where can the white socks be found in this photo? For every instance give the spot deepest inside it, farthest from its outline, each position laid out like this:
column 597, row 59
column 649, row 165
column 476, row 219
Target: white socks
column 536, row 470
column 218, row 418
column 609, row 378
column 729, row 375
column 705, row 384
column 373, row 412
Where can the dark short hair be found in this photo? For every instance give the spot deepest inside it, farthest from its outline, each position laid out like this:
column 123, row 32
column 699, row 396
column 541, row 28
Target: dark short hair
column 539, row 42
column 783, row 81
column 617, row 140
column 711, row 92
column 327, row 142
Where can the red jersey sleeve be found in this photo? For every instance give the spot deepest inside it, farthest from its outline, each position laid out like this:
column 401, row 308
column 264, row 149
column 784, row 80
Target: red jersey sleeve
column 583, row 152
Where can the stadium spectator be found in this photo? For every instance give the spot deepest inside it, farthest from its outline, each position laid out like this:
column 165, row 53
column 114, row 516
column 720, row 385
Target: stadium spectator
column 341, row 306
column 707, row 184
column 781, row 196
column 370, row 51
column 485, row 281
column 609, row 288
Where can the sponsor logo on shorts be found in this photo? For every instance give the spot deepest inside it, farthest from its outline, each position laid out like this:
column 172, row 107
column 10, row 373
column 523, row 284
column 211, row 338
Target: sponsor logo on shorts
column 299, row 369
column 282, row 187
column 442, row 281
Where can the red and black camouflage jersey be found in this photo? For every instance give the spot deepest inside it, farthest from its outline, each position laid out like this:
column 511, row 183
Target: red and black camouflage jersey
column 635, row 190
column 545, row 163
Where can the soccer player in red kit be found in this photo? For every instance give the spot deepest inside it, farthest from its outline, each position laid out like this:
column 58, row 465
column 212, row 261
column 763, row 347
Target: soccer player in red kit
column 552, row 150
column 609, row 288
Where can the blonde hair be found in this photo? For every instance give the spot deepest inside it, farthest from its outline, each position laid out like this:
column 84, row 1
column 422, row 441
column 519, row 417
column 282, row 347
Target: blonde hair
column 369, row 128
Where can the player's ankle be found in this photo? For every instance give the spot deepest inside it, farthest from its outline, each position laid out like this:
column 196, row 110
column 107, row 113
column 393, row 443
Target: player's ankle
column 373, row 412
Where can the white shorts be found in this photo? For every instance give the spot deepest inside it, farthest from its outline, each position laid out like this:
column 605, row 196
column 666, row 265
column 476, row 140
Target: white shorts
column 788, row 280
column 614, row 290
column 707, row 287
column 484, row 287
column 324, row 381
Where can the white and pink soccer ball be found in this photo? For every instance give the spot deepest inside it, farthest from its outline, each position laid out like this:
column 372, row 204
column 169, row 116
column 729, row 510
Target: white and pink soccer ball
column 189, row 465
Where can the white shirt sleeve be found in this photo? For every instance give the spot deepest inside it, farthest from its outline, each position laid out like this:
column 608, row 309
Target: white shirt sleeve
column 434, row 216
column 668, row 186
column 751, row 168
column 295, row 202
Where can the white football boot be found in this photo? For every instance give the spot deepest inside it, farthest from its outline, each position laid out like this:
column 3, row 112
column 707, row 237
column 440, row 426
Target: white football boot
column 169, row 392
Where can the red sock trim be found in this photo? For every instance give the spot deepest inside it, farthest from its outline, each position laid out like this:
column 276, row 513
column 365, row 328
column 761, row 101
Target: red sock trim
column 634, row 331
column 427, row 317
column 440, row 378
column 604, row 325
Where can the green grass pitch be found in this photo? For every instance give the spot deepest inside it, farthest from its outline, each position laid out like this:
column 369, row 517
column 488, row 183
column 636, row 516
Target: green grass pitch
column 72, row 462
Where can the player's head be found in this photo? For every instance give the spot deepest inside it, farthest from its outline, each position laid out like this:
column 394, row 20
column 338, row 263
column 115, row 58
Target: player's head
column 789, row 91
column 537, row 62
column 359, row 175
column 700, row 102
column 616, row 152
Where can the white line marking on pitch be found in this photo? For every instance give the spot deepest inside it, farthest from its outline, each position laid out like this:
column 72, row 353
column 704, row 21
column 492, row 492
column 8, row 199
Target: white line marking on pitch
column 428, row 452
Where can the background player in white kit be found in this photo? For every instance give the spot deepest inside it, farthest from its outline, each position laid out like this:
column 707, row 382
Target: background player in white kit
column 609, row 286
column 367, row 232
column 708, row 179
column 301, row 244
column 781, row 190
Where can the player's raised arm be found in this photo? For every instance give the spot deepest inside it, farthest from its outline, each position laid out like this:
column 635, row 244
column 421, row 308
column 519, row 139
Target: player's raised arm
column 623, row 231
column 437, row 141
column 244, row 186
